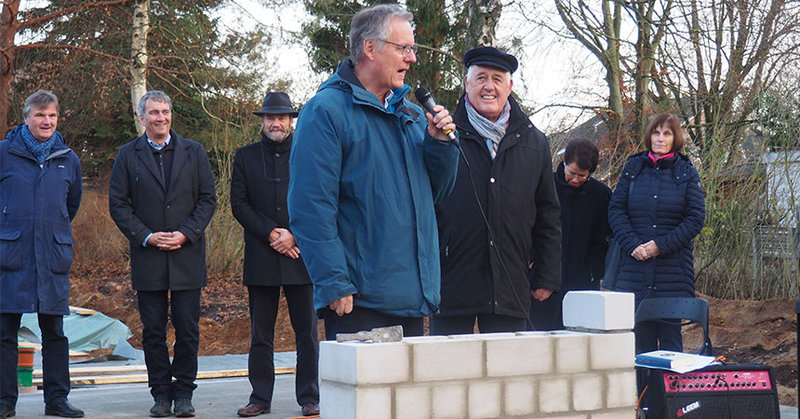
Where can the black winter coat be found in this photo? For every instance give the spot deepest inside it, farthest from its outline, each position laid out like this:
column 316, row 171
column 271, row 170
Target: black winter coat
column 517, row 192
column 259, row 185
column 141, row 204
column 666, row 205
column 584, row 227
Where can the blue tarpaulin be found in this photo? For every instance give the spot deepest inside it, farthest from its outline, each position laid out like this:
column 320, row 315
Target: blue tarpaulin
column 86, row 332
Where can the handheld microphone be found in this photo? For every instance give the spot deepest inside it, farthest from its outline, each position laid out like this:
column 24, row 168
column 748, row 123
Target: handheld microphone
column 425, row 99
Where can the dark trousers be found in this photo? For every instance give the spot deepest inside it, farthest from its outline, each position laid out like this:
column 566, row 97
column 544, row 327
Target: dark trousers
column 664, row 335
column 487, row 323
column 652, row 336
column 546, row 315
column 55, row 358
column 367, row 319
column 260, row 364
column 154, row 307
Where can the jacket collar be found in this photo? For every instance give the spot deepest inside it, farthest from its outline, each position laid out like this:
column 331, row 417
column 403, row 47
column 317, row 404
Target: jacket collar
column 17, row 144
column 281, row 147
column 145, row 155
column 345, row 77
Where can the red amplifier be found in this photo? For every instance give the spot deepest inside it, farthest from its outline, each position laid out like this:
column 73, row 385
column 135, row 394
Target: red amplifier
column 733, row 391
column 715, row 381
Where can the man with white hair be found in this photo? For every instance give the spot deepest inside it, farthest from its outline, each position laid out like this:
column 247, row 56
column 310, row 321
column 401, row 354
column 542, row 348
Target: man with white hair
column 505, row 180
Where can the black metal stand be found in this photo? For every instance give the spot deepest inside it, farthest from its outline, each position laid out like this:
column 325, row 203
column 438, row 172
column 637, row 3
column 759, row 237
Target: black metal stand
column 797, row 311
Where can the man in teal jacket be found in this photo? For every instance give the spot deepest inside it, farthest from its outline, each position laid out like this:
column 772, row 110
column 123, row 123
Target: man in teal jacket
column 367, row 168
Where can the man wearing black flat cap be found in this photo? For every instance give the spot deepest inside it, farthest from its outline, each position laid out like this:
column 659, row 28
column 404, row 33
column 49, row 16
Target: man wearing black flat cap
column 272, row 260
column 485, row 271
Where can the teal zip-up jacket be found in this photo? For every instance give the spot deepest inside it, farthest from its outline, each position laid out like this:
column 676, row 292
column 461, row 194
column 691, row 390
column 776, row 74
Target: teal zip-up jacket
column 361, row 195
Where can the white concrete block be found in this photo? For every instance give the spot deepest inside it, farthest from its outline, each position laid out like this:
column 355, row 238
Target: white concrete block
column 449, row 400
column 520, row 397
column 612, row 350
column 598, row 310
column 587, row 392
column 575, row 416
column 572, row 352
column 484, row 400
column 342, row 401
column 364, row 363
column 614, row 414
column 449, row 359
column 412, row 402
column 621, row 389
column 336, row 401
column 554, row 394
column 519, row 355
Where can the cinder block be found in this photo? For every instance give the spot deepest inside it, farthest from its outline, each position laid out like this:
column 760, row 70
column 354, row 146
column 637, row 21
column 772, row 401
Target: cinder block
column 484, row 400
column 342, row 401
column 613, row 414
column 572, row 352
column 621, row 389
column 412, row 402
column 449, row 401
column 337, row 401
column 598, row 310
column 612, row 350
column 519, row 355
column 554, row 394
column 520, row 397
column 364, row 363
column 449, row 359
column 575, row 416
column 587, row 392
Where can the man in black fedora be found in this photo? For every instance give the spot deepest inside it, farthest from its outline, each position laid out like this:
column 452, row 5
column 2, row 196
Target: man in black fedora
column 272, row 260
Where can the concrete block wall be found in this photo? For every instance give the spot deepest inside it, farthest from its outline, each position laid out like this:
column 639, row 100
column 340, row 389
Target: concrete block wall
column 563, row 374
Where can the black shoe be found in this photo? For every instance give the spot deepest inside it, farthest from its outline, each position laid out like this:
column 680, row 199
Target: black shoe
column 161, row 409
column 184, row 408
column 6, row 411
column 63, row 409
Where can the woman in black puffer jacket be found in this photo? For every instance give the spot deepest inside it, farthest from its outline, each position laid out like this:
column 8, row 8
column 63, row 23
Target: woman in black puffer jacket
column 655, row 226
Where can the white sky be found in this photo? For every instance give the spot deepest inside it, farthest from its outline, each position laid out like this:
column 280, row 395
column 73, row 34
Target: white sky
column 552, row 70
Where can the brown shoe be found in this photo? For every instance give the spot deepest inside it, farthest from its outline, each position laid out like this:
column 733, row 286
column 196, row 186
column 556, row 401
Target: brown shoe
column 310, row 409
column 252, row 409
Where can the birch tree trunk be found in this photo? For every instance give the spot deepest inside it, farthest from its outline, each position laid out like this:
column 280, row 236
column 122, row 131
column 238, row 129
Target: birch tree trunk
column 483, row 18
column 139, row 57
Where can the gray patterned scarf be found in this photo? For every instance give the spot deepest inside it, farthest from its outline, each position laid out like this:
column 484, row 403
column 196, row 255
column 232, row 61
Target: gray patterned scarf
column 493, row 132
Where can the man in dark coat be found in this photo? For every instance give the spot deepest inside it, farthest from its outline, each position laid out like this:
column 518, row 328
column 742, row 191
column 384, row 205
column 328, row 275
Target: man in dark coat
column 40, row 191
column 161, row 196
column 584, row 228
column 506, row 165
column 272, row 260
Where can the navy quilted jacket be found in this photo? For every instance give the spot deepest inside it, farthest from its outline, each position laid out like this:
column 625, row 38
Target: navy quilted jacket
column 666, row 205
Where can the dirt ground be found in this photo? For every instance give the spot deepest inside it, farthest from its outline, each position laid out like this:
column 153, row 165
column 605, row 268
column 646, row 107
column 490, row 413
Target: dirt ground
column 742, row 331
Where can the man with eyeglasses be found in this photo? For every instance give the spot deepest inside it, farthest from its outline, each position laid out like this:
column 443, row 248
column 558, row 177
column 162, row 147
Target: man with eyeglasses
column 367, row 167
column 503, row 206
column 584, row 227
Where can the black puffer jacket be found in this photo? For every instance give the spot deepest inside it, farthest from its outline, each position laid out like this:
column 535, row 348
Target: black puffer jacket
column 666, row 204
column 517, row 192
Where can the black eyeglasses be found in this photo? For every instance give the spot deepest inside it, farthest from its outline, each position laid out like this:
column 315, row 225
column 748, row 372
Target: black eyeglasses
column 407, row 49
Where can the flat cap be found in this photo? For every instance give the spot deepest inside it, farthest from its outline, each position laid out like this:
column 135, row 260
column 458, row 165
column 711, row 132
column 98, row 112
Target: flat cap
column 490, row 57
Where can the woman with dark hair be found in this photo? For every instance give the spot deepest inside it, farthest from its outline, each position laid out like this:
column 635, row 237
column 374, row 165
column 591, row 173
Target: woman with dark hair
column 655, row 220
column 584, row 227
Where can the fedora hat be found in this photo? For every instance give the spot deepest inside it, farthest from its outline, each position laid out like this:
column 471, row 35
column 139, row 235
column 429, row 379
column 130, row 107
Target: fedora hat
column 276, row 103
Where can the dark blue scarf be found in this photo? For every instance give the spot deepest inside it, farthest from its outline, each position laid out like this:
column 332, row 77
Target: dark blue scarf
column 39, row 150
